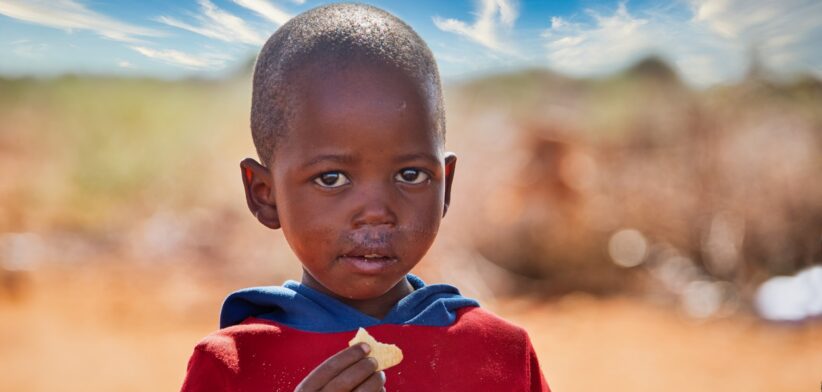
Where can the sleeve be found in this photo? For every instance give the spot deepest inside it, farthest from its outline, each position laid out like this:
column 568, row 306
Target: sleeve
column 535, row 378
column 206, row 372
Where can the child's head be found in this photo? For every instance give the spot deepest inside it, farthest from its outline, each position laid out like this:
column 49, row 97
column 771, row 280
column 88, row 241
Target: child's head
column 348, row 121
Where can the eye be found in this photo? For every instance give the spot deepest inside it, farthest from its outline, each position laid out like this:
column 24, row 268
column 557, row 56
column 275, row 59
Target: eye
column 331, row 180
column 412, row 176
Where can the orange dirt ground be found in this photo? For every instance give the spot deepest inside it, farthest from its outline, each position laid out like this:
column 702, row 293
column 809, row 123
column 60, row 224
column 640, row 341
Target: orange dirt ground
column 62, row 334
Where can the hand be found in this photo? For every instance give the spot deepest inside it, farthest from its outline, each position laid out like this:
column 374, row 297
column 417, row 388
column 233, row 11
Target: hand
column 349, row 370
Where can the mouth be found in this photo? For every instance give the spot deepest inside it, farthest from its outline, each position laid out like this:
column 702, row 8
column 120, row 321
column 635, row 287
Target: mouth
column 369, row 264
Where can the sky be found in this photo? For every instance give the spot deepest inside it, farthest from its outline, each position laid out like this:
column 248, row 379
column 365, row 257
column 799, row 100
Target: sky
column 706, row 41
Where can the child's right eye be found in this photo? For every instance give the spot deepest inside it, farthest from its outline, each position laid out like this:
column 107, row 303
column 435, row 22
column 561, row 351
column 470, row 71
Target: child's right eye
column 331, row 180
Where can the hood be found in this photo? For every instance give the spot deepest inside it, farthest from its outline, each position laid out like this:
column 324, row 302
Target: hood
column 298, row 306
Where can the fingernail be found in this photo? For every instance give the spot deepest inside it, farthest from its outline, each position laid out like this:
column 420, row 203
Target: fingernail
column 365, row 348
column 382, row 376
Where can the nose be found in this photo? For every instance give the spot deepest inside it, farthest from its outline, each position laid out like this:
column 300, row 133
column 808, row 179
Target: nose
column 374, row 207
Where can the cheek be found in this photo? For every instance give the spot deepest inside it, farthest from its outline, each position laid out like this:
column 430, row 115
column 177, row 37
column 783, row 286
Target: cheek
column 422, row 230
column 423, row 233
column 309, row 228
column 423, row 216
column 313, row 245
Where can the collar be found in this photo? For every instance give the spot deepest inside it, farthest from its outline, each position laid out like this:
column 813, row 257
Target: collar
column 298, row 306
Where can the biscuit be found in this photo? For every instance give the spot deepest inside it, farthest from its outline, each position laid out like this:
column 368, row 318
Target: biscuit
column 387, row 355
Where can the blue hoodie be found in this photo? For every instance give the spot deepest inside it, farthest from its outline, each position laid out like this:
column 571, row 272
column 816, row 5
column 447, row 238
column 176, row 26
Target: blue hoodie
column 298, row 306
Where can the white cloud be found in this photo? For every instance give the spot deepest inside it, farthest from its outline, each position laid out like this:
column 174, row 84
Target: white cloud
column 124, row 64
column 586, row 49
column 729, row 18
column 28, row 49
column 218, row 24
column 709, row 42
column 183, row 59
column 786, row 34
column 267, row 10
column 71, row 15
column 485, row 30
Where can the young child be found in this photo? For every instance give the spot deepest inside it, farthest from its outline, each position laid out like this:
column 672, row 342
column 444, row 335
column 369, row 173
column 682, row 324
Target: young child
column 348, row 121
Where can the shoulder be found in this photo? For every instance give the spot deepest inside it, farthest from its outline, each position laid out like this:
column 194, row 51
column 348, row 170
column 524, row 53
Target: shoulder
column 216, row 359
column 484, row 320
column 476, row 325
column 224, row 345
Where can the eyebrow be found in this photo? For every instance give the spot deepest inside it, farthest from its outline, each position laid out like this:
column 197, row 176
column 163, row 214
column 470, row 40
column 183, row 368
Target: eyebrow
column 419, row 155
column 346, row 158
column 339, row 158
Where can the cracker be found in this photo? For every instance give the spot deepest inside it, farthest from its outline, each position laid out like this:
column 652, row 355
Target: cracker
column 387, row 355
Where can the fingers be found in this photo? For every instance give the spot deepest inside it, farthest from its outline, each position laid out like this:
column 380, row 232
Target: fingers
column 374, row 383
column 323, row 374
column 353, row 376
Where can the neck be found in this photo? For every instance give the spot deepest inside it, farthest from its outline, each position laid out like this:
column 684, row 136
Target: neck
column 377, row 307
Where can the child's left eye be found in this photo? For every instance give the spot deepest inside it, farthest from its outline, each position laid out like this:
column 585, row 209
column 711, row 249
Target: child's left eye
column 411, row 176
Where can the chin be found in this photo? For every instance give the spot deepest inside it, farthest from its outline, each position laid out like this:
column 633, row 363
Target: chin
column 368, row 288
column 365, row 291
column 357, row 287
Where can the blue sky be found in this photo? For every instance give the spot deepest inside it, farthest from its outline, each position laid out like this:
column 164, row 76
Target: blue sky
column 707, row 41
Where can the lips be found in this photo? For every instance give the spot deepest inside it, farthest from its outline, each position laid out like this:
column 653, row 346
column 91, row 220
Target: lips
column 370, row 251
column 369, row 259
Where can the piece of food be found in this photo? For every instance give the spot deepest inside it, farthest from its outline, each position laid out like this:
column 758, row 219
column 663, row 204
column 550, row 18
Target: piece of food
column 387, row 355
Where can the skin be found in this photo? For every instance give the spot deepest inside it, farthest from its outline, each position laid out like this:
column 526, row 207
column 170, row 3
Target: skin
column 347, row 370
column 392, row 190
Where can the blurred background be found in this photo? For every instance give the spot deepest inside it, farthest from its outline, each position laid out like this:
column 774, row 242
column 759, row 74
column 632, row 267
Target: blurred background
column 647, row 206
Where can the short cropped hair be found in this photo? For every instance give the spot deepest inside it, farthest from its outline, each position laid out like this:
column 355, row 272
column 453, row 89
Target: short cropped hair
column 333, row 36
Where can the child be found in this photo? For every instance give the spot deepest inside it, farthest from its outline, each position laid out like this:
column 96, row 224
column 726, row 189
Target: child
column 348, row 121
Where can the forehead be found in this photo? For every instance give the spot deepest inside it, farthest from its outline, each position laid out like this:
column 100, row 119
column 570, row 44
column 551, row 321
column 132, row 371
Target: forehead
column 360, row 104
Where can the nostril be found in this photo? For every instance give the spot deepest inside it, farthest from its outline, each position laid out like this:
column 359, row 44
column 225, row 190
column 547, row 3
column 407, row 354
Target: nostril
column 375, row 207
column 374, row 223
column 375, row 217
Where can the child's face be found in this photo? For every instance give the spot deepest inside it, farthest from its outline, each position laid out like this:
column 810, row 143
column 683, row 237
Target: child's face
column 360, row 172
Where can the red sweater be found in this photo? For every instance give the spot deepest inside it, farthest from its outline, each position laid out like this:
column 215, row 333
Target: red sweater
column 478, row 352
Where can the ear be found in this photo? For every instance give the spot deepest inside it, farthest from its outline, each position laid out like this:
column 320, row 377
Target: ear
column 259, row 192
column 450, row 166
